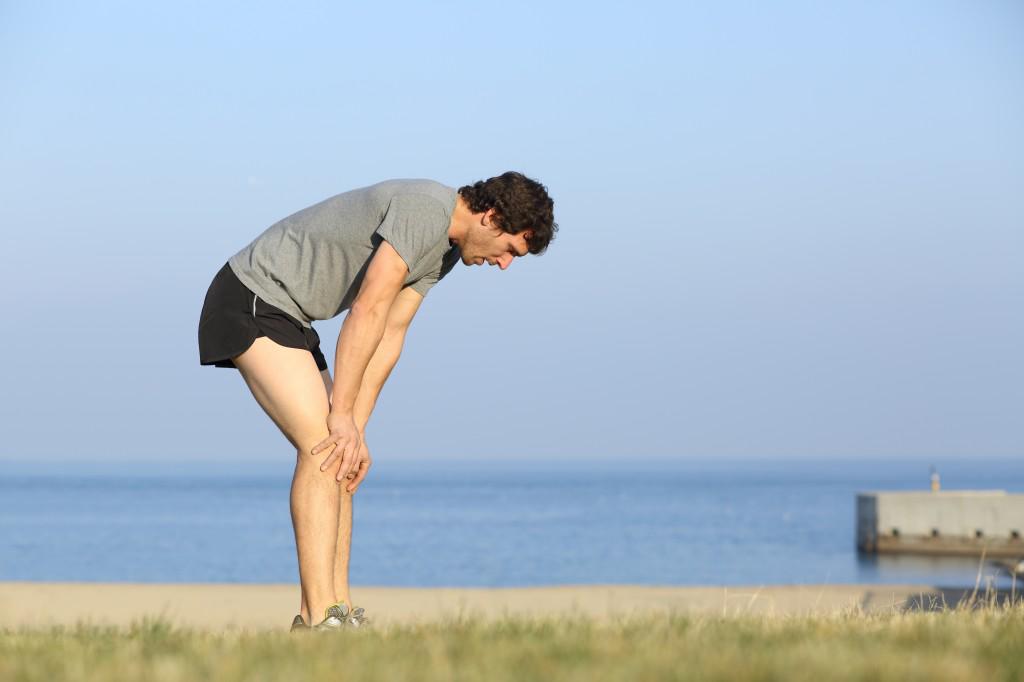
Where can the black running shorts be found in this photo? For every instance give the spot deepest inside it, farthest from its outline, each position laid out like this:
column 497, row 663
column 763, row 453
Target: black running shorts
column 233, row 317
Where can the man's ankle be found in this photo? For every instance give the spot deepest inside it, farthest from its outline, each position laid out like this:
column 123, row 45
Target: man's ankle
column 319, row 613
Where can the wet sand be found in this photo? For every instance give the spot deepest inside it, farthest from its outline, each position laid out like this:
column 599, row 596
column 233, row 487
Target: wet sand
column 221, row 606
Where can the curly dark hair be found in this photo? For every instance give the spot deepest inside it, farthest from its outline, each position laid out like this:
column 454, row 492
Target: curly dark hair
column 519, row 204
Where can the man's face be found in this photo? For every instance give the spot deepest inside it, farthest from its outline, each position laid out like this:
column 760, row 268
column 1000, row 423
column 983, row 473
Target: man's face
column 487, row 243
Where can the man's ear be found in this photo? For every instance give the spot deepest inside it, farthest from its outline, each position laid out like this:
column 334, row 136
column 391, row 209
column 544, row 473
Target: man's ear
column 489, row 220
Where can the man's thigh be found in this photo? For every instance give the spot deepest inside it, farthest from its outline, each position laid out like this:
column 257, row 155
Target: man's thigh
column 290, row 389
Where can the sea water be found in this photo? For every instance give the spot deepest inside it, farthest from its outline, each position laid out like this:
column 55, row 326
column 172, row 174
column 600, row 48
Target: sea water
column 480, row 523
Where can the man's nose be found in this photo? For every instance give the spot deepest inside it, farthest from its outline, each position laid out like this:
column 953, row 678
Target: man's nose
column 505, row 261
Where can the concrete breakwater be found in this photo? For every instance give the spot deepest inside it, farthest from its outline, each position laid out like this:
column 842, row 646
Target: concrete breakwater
column 962, row 522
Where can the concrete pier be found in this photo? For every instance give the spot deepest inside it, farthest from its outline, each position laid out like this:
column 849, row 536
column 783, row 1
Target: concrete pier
column 963, row 522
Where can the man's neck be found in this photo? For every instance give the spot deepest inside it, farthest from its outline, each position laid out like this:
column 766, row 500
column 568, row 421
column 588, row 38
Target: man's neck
column 459, row 224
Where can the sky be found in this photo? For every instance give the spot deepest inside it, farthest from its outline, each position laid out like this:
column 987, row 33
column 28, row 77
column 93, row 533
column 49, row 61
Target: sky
column 786, row 230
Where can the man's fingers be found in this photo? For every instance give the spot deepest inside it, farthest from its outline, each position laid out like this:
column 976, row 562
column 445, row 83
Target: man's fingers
column 323, row 445
column 336, row 453
column 330, row 458
column 357, row 478
column 350, row 461
column 357, row 456
column 347, row 460
column 364, row 466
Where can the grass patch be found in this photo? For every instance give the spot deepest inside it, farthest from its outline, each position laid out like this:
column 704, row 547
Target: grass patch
column 954, row 644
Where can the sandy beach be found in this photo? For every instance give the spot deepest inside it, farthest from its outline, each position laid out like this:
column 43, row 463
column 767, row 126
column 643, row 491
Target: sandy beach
column 219, row 606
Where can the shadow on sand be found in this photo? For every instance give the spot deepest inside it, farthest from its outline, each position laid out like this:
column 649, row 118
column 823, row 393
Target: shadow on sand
column 944, row 598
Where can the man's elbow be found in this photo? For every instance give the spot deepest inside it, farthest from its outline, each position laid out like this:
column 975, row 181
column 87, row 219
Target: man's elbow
column 374, row 312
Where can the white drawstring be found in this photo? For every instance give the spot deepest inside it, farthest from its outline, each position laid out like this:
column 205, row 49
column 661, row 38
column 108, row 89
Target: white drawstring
column 254, row 297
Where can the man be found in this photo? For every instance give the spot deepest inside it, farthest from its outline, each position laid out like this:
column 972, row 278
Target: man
column 375, row 252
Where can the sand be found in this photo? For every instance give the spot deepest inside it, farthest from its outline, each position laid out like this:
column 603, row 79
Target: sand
column 221, row 606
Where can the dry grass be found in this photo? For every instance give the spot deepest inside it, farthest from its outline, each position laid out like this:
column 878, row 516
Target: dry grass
column 972, row 641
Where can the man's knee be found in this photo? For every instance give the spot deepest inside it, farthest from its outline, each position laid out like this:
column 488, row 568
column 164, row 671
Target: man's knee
column 309, row 462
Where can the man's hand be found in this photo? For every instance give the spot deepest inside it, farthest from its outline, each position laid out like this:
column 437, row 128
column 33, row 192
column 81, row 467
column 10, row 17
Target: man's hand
column 345, row 438
column 362, row 467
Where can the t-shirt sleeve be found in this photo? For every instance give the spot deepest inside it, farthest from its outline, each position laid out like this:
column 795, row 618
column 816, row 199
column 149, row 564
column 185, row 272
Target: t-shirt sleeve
column 423, row 284
column 413, row 224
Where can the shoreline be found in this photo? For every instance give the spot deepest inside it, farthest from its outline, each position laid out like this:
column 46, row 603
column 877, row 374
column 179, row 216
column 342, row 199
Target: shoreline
column 218, row 606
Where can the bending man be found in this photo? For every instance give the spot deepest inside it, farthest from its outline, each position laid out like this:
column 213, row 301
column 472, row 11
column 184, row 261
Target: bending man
column 374, row 252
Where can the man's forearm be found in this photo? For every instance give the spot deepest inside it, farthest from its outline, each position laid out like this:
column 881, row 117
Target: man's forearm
column 358, row 340
column 377, row 372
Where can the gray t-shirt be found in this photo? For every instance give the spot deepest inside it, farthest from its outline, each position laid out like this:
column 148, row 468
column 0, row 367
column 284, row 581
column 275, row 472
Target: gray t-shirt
column 311, row 264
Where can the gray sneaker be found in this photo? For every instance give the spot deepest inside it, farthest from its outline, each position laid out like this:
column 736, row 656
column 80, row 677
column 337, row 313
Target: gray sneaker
column 357, row 619
column 334, row 618
column 299, row 624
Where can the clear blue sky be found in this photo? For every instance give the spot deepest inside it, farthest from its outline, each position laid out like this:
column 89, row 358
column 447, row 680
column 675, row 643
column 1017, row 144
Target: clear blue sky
column 787, row 229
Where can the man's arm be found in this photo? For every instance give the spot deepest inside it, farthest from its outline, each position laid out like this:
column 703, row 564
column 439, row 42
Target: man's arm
column 359, row 338
column 384, row 359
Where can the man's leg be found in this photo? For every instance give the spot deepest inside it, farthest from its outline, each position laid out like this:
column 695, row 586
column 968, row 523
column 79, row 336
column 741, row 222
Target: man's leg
column 341, row 589
column 287, row 385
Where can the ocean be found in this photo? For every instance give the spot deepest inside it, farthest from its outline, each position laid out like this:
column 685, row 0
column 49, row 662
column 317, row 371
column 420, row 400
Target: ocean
column 481, row 523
